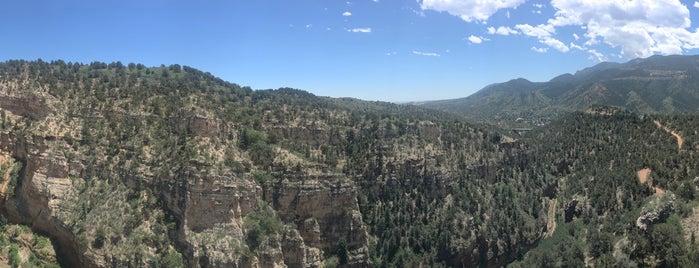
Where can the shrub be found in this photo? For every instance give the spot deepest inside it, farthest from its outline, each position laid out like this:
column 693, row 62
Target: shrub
column 262, row 226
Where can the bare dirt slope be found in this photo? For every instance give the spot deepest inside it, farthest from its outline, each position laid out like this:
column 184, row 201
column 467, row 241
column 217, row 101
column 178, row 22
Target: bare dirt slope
column 644, row 176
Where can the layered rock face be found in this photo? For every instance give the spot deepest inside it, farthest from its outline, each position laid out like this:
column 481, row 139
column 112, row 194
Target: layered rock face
column 325, row 209
column 109, row 203
column 209, row 211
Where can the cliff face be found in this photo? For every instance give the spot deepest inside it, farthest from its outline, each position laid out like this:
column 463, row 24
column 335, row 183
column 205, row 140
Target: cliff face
column 209, row 212
column 134, row 212
column 170, row 166
column 326, row 210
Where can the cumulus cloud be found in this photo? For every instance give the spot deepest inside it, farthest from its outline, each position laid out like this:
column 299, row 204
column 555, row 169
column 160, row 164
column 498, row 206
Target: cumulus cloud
column 470, row 10
column 635, row 28
column 639, row 28
column 476, row 39
column 502, row 30
column 429, row 54
column 555, row 43
column 539, row 31
column 346, row 14
column 543, row 32
column 360, row 30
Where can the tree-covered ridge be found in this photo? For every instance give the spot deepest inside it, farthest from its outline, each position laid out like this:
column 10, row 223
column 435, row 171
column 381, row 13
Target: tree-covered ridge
column 656, row 85
column 432, row 188
column 604, row 218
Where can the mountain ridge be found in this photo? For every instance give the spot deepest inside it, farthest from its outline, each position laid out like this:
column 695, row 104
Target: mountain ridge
column 658, row 84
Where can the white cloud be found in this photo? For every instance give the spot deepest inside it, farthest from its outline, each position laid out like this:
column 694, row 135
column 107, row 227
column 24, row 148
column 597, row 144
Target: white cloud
column 502, row 30
column 540, row 49
column 574, row 46
column 638, row 28
column 634, row 28
column 392, row 53
column 309, row 25
column 543, row 32
column 470, row 10
column 429, row 54
column 539, row 31
column 475, row 39
column 346, row 14
column 594, row 55
column 555, row 43
column 360, row 30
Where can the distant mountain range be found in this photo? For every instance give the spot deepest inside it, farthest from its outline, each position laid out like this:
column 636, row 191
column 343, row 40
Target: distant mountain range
column 654, row 85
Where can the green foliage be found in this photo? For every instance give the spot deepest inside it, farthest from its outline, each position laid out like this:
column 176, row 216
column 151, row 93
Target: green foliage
column 13, row 256
column 262, row 226
column 173, row 259
column 99, row 239
column 331, row 262
column 250, row 137
column 342, row 251
column 261, row 177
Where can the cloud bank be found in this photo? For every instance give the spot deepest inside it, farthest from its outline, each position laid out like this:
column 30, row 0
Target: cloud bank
column 637, row 28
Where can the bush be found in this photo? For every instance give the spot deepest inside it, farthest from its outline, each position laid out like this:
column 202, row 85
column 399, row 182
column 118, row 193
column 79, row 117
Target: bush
column 13, row 255
column 262, row 226
column 173, row 259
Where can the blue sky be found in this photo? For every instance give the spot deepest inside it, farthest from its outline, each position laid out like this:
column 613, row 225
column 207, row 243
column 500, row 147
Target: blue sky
column 388, row 50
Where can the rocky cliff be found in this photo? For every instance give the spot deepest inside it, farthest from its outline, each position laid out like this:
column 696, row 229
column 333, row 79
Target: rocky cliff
column 123, row 202
column 170, row 166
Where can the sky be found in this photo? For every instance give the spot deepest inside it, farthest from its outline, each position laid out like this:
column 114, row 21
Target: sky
column 387, row 50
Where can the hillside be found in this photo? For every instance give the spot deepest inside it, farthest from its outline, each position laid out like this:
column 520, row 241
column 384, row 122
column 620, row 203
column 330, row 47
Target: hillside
column 127, row 165
column 655, row 85
column 203, row 172
column 627, row 189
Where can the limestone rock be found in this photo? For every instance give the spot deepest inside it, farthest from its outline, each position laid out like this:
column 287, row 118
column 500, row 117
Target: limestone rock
column 656, row 210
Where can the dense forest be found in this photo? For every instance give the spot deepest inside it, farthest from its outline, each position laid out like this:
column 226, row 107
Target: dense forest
column 137, row 146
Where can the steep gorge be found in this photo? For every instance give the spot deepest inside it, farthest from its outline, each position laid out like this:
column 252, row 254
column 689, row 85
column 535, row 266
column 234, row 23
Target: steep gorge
column 134, row 166
column 169, row 166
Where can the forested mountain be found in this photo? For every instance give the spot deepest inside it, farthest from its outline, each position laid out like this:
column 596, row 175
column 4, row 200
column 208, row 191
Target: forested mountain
column 655, row 85
column 127, row 165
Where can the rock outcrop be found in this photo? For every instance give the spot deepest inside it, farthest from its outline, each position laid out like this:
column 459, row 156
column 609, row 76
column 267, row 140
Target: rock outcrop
column 326, row 209
column 656, row 210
